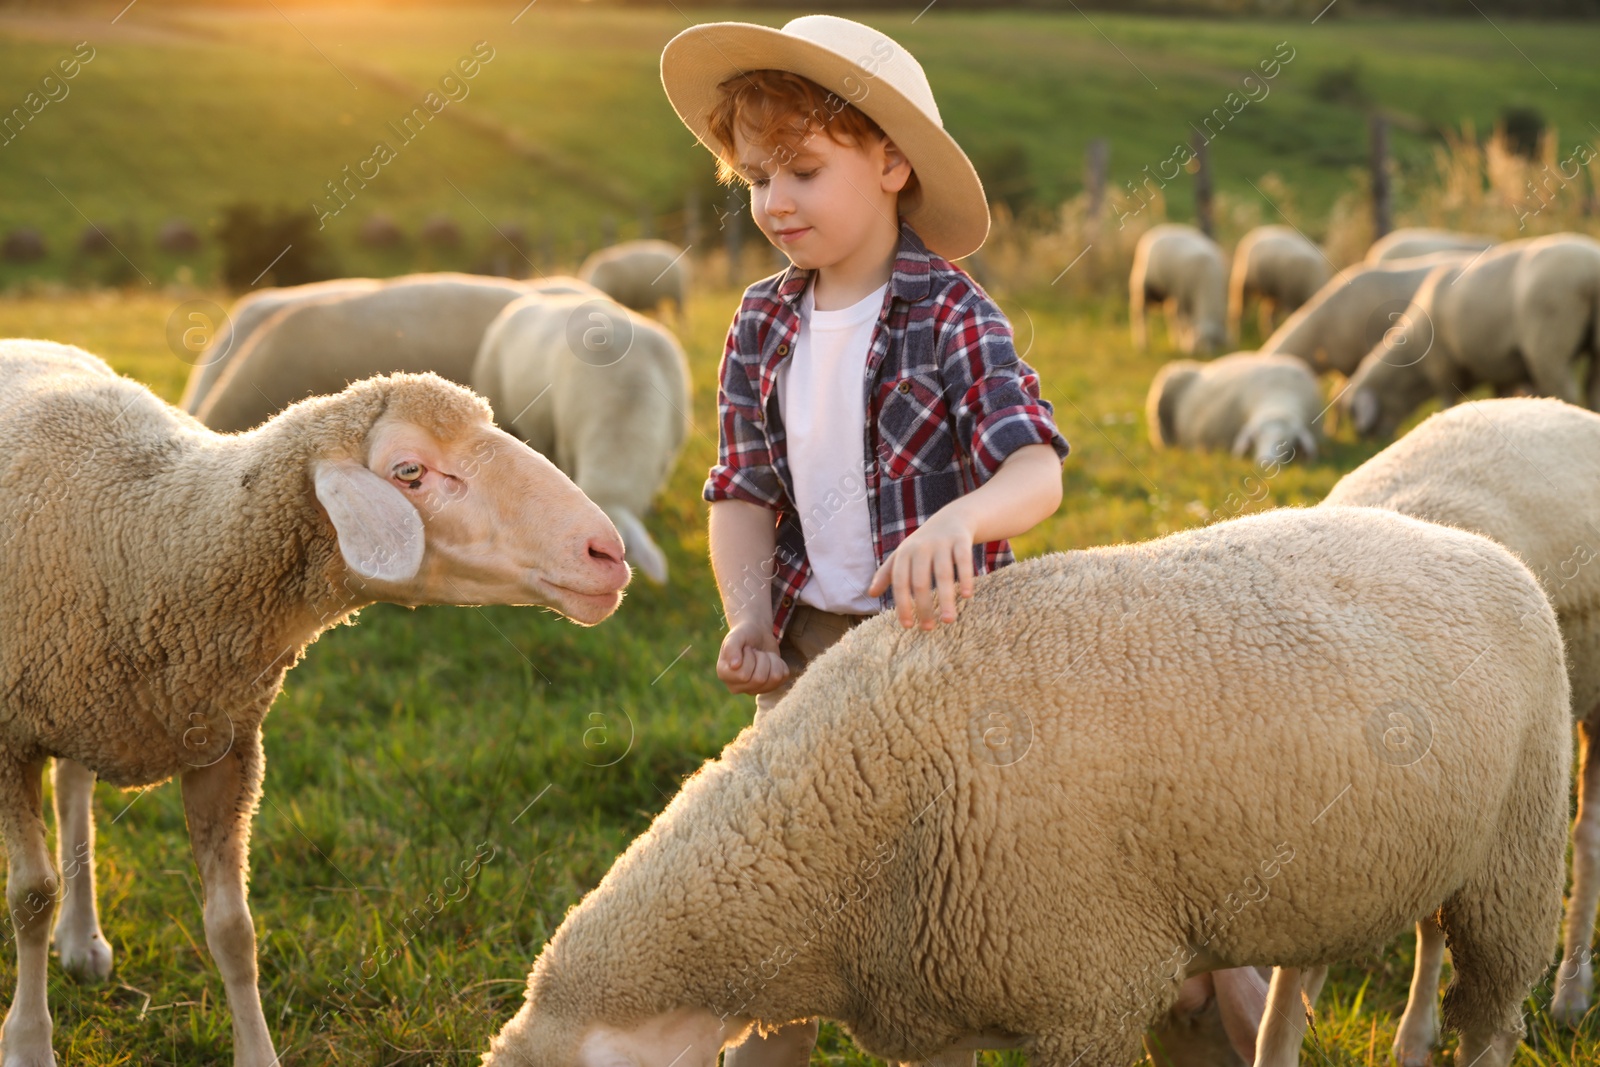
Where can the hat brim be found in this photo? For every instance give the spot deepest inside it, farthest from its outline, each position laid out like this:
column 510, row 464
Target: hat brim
column 951, row 215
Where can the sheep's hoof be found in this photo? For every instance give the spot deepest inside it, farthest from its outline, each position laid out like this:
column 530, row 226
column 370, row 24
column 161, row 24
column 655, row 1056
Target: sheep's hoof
column 1570, row 1003
column 1414, row 1041
column 88, row 961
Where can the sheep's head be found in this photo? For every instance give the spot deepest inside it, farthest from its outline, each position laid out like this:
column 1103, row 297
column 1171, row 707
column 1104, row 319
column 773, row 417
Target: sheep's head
column 1166, row 393
column 432, row 504
column 681, row 1037
column 1382, row 393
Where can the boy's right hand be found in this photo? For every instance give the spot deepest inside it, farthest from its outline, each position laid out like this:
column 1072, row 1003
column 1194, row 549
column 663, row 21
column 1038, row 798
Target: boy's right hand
column 749, row 661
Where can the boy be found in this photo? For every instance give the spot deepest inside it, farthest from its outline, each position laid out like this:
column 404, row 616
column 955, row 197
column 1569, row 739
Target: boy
column 904, row 441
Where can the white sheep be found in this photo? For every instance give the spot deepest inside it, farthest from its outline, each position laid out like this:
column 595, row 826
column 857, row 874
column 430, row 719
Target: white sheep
column 1409, row 242
column 1118, row 766
column 160, row 579
column 1183, row 270
column 1352, row 312
column 1524, row 472
column 1520, row 313
column 1264, row 406
column 641, row 274
column 1279, row 267
column 244, row 318
column 600, row 390
column 422, row 322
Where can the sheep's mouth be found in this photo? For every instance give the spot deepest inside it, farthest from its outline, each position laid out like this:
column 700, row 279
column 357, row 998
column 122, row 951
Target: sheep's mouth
column 577, row 605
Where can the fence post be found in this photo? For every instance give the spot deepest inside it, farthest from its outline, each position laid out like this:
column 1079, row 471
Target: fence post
column 1202, row 184
column 1380, row 175
column 1096, row 164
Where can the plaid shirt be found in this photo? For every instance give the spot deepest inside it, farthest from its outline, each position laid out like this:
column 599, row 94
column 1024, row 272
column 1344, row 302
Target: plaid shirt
column 948, row 399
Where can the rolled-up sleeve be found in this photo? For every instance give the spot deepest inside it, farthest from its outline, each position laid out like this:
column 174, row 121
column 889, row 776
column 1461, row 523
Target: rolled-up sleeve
column 995, row 395
column 744, row 469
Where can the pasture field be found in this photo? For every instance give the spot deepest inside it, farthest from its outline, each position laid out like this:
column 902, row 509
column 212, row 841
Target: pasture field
column 406, row 746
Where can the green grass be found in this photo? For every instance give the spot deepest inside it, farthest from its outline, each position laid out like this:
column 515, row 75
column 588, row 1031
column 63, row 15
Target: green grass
column 404, row 742
column 182, row 112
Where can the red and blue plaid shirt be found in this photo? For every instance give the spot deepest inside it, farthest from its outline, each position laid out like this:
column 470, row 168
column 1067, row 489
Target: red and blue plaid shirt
column 948, row 399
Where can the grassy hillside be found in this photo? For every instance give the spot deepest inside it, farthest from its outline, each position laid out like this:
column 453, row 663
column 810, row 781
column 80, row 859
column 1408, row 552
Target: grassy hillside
column 181, row 112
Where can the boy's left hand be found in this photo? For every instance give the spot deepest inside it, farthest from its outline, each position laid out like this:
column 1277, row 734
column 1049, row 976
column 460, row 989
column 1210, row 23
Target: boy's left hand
column 935, row 560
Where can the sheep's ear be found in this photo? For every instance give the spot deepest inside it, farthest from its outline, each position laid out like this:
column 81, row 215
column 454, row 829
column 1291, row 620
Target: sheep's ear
column 380, row 533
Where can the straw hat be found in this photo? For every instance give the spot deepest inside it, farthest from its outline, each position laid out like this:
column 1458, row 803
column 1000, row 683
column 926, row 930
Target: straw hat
column 866, row 68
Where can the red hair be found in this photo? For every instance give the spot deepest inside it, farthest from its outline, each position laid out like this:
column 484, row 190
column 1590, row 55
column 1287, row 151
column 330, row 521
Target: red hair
column 781, row 110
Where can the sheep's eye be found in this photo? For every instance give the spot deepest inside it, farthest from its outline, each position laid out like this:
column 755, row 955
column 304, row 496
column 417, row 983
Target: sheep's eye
column 411, row 474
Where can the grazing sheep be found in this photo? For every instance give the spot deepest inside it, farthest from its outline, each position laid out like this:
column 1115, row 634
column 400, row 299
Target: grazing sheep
column 1118, row 766
column 1183, row 270
column 641, row 274
column 1410, row 242
column 162, row 579
column 1524, row 473
column 1265, row 406
column 617, row 411
column 425, row 322
column 244, row 318
column 1278, row 266
column 1352, row 312
column 1520, row 313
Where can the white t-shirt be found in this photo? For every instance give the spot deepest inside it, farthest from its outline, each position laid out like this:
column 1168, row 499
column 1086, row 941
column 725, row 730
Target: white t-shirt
column 822, row 400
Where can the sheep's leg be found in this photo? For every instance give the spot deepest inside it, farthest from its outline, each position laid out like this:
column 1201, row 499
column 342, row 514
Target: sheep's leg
column 1419, row 1026
column 219, row 800
column 31, row 884
column 1283, row 1025
column 1241, row 994
column 1136, row 316
column 1575, row 976
column 85, row 953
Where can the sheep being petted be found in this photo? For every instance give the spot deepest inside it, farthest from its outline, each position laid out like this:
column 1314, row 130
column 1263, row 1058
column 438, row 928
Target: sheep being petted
column 1522, row 312
column 244, row 318
column 602, row 391
column 1118, row 766
column 1264, row 406
column 422, row 322
column 641, row 274
column 1524, row 472
column 1185, row 272
column 159, row 580
column 1412, row 241
column 1353, row 312
column 1280, row 268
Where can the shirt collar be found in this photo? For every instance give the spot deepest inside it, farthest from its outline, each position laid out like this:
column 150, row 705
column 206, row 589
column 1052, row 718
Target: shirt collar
column 910, row 279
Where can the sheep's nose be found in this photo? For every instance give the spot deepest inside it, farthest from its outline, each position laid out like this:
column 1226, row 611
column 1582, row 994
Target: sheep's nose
column 606, row 551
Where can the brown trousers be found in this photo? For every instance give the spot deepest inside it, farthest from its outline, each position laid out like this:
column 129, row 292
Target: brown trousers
column 811, row 632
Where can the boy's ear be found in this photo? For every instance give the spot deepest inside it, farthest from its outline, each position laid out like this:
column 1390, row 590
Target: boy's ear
column 896, row 167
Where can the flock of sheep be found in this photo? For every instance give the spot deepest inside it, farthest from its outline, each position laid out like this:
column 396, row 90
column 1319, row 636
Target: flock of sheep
column 1280, row 740
column 1428, row 313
